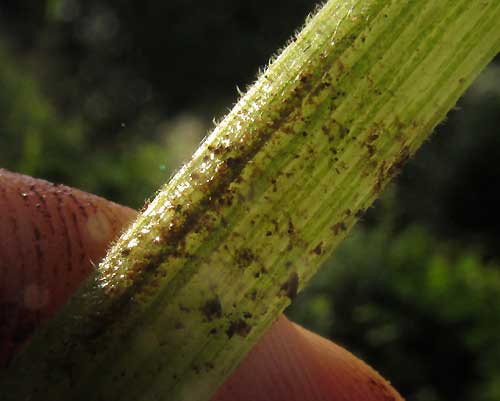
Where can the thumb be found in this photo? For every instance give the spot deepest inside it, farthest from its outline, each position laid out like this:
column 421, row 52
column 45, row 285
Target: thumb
column 291, row 363
column 52, row 235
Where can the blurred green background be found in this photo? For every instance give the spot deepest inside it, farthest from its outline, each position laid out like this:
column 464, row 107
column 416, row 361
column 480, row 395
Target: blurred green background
column 111, row 96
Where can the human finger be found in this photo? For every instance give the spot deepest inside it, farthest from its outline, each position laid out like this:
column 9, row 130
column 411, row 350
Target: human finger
column 291, row 363
column 50, row 238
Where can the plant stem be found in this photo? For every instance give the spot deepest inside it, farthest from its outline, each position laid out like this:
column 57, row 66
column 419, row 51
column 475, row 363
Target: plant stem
column 226, row 245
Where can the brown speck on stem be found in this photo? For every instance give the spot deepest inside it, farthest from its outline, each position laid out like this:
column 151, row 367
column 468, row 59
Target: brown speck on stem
column 212, row 309
column 239, row 327
column 318, row 249
column 337, row 228
column 400, row 162
column 359, row 213
column 244, row 258
column 290, row 287
column 184, row 309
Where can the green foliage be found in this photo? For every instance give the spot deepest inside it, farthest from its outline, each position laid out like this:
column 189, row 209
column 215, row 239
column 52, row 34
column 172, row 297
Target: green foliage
column 33, row 138
column 426, row 313
column 36, row 140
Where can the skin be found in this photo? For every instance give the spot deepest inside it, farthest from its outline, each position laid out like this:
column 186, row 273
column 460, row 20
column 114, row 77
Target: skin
column 52, row 236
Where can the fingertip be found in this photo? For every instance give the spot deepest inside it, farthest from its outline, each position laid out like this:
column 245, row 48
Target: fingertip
column 291, row 363
column 341, row 373
column 50, row 237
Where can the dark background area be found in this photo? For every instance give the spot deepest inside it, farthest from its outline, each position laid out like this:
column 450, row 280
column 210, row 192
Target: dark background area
column 112, row 96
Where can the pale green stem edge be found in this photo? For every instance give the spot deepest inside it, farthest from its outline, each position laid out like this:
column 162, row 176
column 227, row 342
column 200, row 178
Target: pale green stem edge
column 184, row 294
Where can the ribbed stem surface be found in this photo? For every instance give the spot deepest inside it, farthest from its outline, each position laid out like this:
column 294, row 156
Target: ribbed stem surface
column 227, row 244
